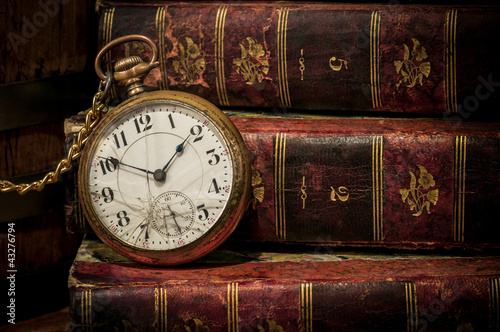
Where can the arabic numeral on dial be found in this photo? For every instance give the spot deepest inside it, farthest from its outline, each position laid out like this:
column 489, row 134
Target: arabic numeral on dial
column 114, row 229
column 123, row 220
column 143, row 123
column 214, row 187
column 203, row 212
column 196, row 131
column 107, row 166
column 215, row 158
column 181, row 242
column 108, row 195
column 211, row 221
column 120, row 139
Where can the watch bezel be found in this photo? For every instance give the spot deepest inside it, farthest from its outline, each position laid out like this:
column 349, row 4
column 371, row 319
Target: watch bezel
column 235, row 207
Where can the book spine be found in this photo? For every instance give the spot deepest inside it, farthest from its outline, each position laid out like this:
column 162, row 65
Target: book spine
column 415, row 304
column 366, row 182
column 404, row 183
column 418, row 59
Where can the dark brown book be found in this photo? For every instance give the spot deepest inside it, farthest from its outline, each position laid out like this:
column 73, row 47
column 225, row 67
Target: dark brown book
column 372, row 181
column 367, row 181
column 310, row 55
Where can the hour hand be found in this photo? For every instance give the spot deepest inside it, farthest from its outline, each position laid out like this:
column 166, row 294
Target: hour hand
column 116, row 162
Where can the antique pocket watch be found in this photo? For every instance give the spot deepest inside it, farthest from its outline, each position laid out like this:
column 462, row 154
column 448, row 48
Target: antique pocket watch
column 164, row 177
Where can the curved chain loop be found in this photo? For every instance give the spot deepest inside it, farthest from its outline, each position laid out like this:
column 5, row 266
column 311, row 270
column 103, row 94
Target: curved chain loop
column 92, row 119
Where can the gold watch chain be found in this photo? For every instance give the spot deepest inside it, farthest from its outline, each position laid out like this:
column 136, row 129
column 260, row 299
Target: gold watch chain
column 93, row 117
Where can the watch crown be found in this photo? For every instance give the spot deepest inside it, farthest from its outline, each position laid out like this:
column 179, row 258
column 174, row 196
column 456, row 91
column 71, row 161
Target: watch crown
column 129, row 71
column 127, row 63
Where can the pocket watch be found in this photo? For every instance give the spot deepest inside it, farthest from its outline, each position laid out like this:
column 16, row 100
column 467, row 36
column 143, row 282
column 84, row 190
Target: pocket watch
column 164, row 177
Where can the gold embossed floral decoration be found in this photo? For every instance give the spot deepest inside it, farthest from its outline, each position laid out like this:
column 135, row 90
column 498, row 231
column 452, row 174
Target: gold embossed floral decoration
column 190, row 64
column 253, row 63
column 420, row 198
column 413, row 68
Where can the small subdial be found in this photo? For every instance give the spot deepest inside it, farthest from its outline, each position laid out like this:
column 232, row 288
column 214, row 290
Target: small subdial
column 173, row 214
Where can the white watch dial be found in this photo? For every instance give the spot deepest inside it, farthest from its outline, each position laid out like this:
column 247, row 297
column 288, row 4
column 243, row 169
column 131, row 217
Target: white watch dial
column 160, row 176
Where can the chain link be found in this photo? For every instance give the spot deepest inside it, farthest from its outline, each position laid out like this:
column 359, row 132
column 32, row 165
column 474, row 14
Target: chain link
column 92, row 119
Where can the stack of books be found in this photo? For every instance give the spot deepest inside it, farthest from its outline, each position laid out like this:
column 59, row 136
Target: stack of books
column 374, row 211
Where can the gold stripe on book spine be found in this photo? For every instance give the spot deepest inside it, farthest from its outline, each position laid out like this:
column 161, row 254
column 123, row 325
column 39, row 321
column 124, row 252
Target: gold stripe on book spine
column 282, row 64
column 495, row 305
column 86, row 310
column 451, row 61
column 459, row 180
column 220, row 79
column 377, row 187
column 161, row 309
column 306, row 306
column 279, row 185
column 375, row 58
column 411, row 307
column 160, row 27
column 107, row 35
column 232, row 307
column 78, row 213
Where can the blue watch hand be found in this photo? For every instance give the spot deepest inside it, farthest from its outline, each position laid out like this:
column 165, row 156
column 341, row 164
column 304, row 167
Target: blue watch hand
column 178, row 148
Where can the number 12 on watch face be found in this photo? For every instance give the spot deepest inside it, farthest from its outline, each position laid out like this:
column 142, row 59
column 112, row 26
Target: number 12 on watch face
column 160, row 176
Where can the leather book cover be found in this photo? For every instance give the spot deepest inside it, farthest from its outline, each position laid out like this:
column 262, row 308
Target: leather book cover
column 324, row 56
column 285, row 291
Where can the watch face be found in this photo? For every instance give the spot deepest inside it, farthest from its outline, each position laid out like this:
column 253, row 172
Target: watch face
column 160, row 179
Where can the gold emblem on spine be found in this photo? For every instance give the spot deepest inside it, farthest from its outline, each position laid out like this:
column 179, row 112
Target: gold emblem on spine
column 191, row 64
column 258, row 188
column 420, row 198
column 304, row 193
column 336, row 64
column 341, row 193
column 198, row 326
column 253, row 64
column 302, row 66
column 412, row 68
column 272, row 327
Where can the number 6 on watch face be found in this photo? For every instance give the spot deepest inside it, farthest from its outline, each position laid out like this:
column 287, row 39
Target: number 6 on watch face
column 165, row 178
